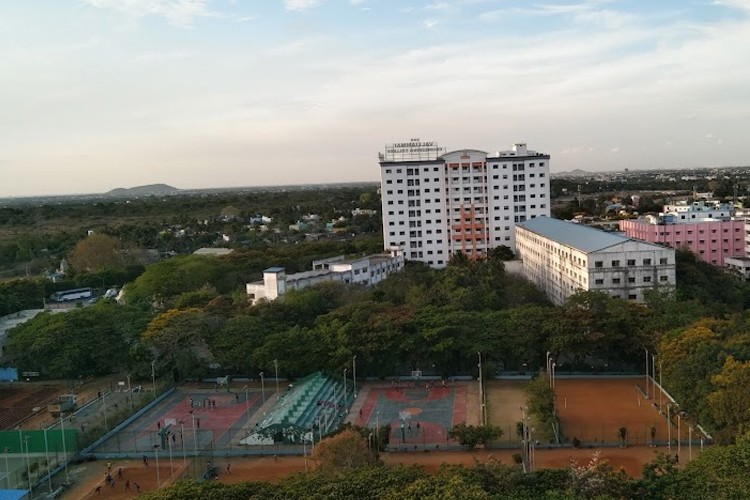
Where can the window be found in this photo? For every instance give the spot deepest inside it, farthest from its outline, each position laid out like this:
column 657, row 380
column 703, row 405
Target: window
column 599, row 263
column 632, row 296
column 647, row 279
column 615, row 263
column 615, row 281
column 631, row 280
column 631, row 262
column 663, row 261
column 646, row 262
column 599, row 281
column 663, row 278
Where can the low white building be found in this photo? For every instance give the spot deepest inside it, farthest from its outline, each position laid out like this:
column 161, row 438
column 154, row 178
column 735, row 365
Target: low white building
column 562, row 258
column 739, row 265
column 368, row 270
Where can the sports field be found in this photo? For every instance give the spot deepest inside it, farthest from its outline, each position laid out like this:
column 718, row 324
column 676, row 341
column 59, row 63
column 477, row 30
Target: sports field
column 505, row 398
column 593, row 410
column 418, row 413
column 196, row 419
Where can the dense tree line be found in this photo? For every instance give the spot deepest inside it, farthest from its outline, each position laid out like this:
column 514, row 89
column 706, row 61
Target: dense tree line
column 35, row 237
column 193, row 314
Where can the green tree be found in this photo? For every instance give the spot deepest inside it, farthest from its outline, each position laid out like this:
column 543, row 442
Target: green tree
column 730, row 400
column 92, row 341
column 95, row 252
column 471, row 436
column 180, row 340
column 343, row 452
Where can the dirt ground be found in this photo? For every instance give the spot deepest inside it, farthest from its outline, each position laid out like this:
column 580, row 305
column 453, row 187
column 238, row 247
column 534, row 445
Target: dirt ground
column 90, row 475
column 593, row 410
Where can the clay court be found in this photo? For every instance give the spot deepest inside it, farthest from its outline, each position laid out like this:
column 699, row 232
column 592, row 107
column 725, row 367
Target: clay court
column 504, row 401
column 593, row 410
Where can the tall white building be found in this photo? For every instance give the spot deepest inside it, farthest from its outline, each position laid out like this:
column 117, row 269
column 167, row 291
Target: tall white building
column 437, row 203
column 562, row 258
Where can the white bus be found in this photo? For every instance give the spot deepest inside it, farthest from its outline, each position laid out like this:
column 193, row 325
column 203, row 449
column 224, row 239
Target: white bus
column 68, row 295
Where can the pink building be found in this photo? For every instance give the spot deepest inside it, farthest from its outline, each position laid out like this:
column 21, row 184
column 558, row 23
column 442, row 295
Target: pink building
column 711, row 240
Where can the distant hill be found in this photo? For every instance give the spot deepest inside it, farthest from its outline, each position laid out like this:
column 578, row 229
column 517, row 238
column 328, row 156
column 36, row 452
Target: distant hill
column 574, row 173
column 150, row 190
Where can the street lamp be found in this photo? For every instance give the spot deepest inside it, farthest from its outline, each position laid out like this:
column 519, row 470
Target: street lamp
column 263, row 388
column 345, row 369
column 65, row 452
column 153, row 377
column 481, row 390
column 377, row 428
column 182, row 440
column 28, row 466
column 276, row 367
column 661, row 390
column 46, row 459
column 6, row 450
column 247, row 406
column 549, row 358
column 130, row 395
column 195, row 438
column 653, row 375
column 646, row 385
column 669, row 427
column 554, row 365
column 104, row 409
column 354, row 374
column 169, row 445
column 679, row 443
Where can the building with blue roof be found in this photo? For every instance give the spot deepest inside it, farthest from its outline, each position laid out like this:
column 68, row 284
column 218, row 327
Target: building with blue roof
column 563, row 257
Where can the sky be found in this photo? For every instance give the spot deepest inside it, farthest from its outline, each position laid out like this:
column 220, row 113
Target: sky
column 100, row 94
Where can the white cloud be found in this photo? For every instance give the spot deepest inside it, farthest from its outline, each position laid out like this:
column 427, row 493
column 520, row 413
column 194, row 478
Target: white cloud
column 177, row 12
column 300, row 5
column 615, row 149
column 430, row 23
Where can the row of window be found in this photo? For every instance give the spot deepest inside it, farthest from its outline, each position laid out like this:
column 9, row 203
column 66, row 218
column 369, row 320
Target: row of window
column 631, row 262
column 517, row 167
column 631, row 280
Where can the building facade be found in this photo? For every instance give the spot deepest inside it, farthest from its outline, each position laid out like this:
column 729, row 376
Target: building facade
column 562, row 258
column 437, row 203
column 709, row 230
column 367, row 271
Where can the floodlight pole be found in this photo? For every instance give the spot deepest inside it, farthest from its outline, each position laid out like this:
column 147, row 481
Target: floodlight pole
column 65, row 452
column 28, row 466
column 653, row 377
column 549, row 358
column 646, row 384
column 158, row 475
column 153, row 377
column 130, row 395
column 345, row 370
column 263, row 387
column 247, row 406
column 46, row 459
column 354, row 374
column 276, row 367
column 6, row 450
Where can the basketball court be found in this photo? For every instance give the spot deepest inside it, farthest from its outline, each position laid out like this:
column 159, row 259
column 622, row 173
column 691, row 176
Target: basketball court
column 419, row 413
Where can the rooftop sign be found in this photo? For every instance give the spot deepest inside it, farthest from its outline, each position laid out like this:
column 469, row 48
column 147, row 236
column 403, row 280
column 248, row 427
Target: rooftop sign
column 412, row 150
